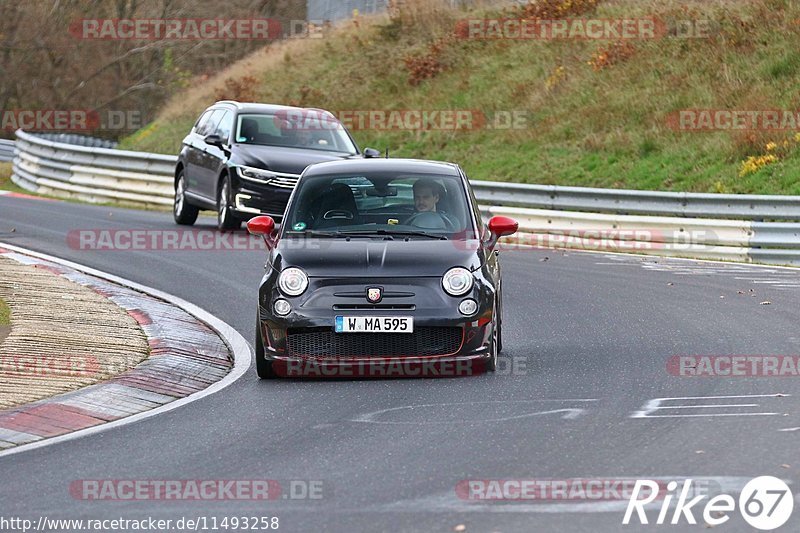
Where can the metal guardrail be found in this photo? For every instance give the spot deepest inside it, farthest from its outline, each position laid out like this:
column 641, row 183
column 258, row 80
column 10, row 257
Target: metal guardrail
column 628, row 202
column 78, row 140
column 92, row 174
column 705, row 226
column 6, row 150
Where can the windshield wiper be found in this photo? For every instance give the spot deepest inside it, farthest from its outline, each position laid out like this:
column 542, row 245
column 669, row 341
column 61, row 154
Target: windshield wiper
column 411, row 233
column 372, row 233
column 338, row 233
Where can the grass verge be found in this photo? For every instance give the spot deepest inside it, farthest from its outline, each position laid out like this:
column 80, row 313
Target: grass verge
column 597, row 113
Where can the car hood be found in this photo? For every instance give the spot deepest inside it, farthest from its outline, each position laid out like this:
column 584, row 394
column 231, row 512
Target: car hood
column 287, row 160
column 362, row 257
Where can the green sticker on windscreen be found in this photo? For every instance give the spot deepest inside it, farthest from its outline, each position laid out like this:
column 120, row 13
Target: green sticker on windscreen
column 300, row 226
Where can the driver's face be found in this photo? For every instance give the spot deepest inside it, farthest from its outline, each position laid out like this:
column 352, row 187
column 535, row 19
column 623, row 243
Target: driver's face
column 425, row 200
column 303, row 137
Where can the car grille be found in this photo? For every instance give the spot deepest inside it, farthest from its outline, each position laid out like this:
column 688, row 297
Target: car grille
column 325, row 344
column 285, row 181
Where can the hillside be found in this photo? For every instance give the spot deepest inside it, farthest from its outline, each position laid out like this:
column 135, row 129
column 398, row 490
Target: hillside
column 596, row 112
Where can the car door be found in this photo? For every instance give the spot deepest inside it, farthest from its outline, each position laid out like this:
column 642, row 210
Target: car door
column 195, row 148
column 215, row 157
column 206, row 176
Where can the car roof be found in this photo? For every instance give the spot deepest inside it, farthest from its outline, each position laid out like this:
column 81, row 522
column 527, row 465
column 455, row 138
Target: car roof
column 252, row 107
column 358, row 166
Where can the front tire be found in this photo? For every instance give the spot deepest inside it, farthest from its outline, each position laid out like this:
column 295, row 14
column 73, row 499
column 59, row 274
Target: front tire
column 264, row 368
column 500, row 326
column 491, row 363
column 226, row 221
column 183, row 212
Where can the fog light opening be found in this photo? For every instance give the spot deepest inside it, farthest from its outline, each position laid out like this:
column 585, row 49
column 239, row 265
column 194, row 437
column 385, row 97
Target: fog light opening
column 468, row 307
column 282, row 307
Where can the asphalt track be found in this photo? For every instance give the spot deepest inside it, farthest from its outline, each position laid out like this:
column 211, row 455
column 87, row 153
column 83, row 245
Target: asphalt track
column 588, row 336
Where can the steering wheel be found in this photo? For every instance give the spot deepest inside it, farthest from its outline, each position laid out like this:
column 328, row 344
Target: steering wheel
column 338, row 213
column 430, row 220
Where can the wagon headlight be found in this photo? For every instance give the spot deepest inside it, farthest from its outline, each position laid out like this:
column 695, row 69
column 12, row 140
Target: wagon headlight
column 255, row 174
column 293, row 282
column 457, row 281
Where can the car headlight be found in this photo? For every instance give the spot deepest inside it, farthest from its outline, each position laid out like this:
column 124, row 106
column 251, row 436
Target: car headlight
column 293, row 282
column 255, row 174
column 457, row 281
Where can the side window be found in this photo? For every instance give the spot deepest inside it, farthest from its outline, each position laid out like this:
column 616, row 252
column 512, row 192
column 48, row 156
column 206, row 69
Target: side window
column 210, row 125
column 201, row 122
column 225, row 126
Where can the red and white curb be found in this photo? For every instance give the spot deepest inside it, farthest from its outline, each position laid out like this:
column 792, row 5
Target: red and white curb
column 192, row 355
column 21, row 195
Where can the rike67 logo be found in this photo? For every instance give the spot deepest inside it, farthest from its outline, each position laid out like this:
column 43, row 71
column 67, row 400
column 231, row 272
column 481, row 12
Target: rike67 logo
column 765, row 503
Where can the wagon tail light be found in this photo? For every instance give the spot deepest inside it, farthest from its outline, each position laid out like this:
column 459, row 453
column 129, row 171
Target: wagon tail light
column 500, row 226
column 265, row 227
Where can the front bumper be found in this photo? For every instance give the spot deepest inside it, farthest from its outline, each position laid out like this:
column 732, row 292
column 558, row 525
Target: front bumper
column 250, row 200
column 444, row 342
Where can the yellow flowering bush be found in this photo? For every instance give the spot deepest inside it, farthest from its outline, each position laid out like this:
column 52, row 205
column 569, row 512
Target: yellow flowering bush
column 555, row 78
column 754, row 163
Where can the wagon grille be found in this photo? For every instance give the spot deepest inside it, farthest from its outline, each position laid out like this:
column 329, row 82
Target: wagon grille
column 325, row 344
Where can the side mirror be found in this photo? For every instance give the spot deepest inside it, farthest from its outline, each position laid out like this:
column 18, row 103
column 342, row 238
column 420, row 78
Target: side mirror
column 213, row 140
column 263, row 226
column 500, row 226
column 371, row 153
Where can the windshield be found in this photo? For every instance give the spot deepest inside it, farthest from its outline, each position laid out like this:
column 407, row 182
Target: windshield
column 417, row 205
column 307, row 130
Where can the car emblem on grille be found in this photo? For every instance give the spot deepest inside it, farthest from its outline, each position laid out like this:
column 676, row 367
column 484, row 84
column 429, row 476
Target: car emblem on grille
column 374, row 294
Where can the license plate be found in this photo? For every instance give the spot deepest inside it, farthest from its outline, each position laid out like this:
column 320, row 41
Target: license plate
column 374, row 324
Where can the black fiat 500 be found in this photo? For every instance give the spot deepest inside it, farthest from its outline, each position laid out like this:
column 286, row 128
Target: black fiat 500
column 381, row 267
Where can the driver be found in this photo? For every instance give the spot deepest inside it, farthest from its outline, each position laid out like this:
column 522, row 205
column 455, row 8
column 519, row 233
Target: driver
column 296, row 134
column 426, row 195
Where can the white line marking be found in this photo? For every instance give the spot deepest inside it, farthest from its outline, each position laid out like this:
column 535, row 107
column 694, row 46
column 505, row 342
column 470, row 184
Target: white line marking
column 716, row 405
column 789, row 429
column 242, row 353
column 448, row 501
column 657, row 404
column 569, row 413
column 714, row 415
column 728, row 265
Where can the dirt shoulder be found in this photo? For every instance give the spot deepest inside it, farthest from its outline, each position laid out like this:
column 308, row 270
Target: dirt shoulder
column 63, row 336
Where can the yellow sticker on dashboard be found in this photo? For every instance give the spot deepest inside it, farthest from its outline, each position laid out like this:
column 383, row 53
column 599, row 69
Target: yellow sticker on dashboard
column 393, row 222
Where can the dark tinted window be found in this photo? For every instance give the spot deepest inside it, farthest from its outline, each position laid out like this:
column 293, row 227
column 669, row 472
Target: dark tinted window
column 210, row 126
column 388, row 202
column 201, row 122
column 225, row 126
column 309, row 130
